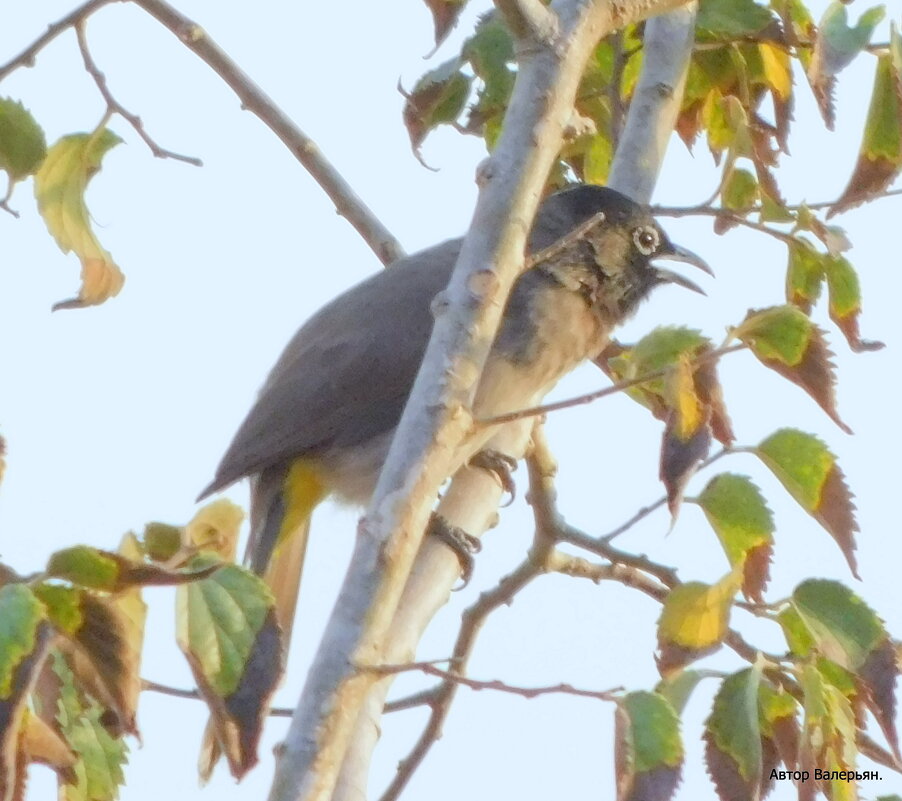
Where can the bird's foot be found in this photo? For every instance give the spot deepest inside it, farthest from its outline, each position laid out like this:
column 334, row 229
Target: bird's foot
column 464, row 545
column 501, row 466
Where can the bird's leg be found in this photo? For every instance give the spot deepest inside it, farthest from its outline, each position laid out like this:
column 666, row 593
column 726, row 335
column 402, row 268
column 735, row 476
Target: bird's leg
column 501, row 466
column 464, row 545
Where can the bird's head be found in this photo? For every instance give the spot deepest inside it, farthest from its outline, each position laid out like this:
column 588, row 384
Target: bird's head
column 604, row 245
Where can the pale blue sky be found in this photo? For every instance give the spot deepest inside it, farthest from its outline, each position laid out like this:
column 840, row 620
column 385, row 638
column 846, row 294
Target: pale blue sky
column 116, row 416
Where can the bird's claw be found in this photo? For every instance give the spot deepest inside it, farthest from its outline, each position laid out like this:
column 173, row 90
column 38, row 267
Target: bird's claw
column 463, row 544
column 499, row 465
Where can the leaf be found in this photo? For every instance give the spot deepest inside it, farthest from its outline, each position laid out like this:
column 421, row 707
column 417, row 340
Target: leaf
column 786, row 340
column 444, row 16
column 804, row 465
column 777, row 68
column 732, row 19
column 215, row 528
column 226, row 627
column 694, row 621
column 103, row 647
column 845, row 302
column 845, row 630
column 804, row 275
column 98, row 772
column 59, row 187
column 438, row 97
column 648, row 751
column 22, row 143
column 880, row 155
column 687, row 436
column 777, row 713
column 24, row 638
column 733, row 751
column 41, row 743
column 677, row 687
column 161, row 541
column 597, row 160
column 744, row 525
column 836, row 45
column 740, row 191
column 111, row 572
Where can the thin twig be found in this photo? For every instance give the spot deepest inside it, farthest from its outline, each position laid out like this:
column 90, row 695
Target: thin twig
column 114, row 106
column 723, row 214
column 27, row 56
column 304, row 149
column 432, row 669
column 589, row 397
column 193, row 695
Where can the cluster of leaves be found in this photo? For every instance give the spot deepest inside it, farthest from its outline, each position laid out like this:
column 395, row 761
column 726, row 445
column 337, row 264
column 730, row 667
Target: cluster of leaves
column 61, row 175
column 740, row 73
column 70, row 653
column 804, row 709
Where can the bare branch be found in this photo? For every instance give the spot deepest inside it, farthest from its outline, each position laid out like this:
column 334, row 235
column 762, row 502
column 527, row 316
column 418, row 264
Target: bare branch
column 590, row 397
column 27, row 56
column 115, row 107
column 655, row 104
column 723, row 214
column 304, row 149
column 432, row 669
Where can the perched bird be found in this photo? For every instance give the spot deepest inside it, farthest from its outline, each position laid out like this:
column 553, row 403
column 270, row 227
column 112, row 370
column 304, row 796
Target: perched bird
column 324, row 419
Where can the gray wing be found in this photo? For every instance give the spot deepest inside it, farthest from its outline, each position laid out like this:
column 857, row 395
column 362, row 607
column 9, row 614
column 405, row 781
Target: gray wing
column 346, row 374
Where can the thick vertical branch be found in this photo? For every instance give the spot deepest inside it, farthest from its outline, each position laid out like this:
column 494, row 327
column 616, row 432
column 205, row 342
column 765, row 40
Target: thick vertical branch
column 656, row 103
column 436, row 417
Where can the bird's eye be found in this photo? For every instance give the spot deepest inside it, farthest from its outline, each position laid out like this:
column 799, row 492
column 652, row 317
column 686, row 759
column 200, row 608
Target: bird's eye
column 646, row 240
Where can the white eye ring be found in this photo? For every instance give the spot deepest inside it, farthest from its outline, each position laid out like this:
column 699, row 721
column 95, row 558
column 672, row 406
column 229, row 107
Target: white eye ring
column 646, row 239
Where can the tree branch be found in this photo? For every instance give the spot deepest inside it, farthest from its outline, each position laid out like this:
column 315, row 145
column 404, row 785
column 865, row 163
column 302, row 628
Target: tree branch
column 115, row 107
column 435, row 420
column 655, row 104
column 530, row 21
column 304, row 149
column 27, row 56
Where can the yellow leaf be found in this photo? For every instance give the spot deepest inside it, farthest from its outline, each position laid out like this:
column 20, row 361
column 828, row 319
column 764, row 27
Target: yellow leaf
column 59, row 187
column 215, row 528
column 696, row 615
column 777, row 70
column 683, row 399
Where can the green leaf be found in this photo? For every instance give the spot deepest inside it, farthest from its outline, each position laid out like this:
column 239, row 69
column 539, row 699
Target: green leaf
column 89, row 567
column 677, row 687
column 784, row 339
column 845, row 302
column 162, row 541
column 740, row 192
column 798, row 638
column 22, row 143
column 59, row 187
column 744, row 525
column 804, row 465
column 21, row 615
column 880, row 155
column 733, row 737
column 843, row 627
column 649, row 750
column 98, row 774
column 732, row 19
column 438, row 97
column 226, row 627
column 804, row 275
column 835, row 47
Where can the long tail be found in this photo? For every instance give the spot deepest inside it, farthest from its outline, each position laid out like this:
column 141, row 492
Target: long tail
column 282, row 502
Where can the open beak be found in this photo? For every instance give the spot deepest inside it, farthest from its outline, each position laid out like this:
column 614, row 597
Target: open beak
column 673, row 252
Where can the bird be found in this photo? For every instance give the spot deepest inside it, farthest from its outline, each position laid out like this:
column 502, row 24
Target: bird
column 323, row 421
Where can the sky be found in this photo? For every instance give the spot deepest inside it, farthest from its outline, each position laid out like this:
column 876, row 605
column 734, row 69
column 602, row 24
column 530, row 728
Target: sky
column 117, row 415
